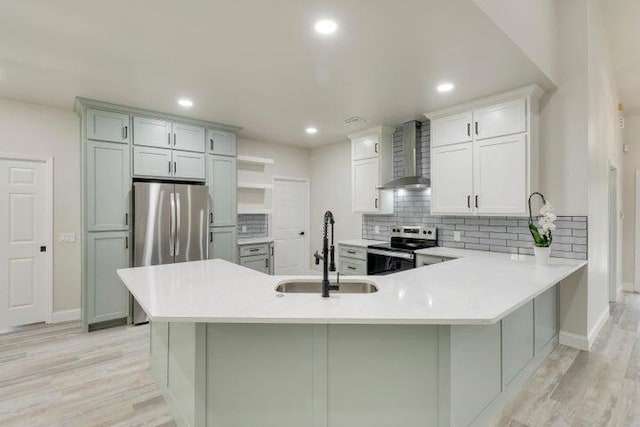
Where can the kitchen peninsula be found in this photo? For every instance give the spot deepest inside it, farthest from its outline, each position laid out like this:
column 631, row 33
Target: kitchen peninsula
column 434, row 346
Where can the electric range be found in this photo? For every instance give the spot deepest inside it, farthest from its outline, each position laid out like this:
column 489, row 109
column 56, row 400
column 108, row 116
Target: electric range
column 399, row 253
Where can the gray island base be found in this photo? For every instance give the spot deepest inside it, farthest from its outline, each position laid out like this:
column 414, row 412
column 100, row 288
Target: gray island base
column 340, row 375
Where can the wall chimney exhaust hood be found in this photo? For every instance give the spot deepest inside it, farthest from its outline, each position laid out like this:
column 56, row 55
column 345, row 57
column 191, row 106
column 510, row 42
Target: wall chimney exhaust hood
column 410, row 180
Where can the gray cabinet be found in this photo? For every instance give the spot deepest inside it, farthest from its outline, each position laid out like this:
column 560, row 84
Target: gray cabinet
column 352, row 260
column 222, row 243
column 188, row 165
column 106, row 297
column 107, row 126
column 152, row 162
column 108, row 186
column 257, row 257
column 151, row 132
column 221, row 143
column 517, row 342
column 188, row 137
column 222, row 183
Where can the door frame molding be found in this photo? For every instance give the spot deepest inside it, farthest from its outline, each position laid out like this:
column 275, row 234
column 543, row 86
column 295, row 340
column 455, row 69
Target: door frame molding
column 636, row 257
column 48, row 229
column 307, row 182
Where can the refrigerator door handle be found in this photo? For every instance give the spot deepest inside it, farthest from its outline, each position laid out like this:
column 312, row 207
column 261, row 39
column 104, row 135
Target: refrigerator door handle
column 172, row 224
column 177, row 230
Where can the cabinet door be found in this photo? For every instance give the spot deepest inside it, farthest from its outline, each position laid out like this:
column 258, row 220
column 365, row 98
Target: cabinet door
column 223, row 243
column 365, row 181
column 259, row 263
column 501, row 175
column 107, row 297
column 452, row 179
column 151, row 132
column 517, row 342
column 221, row 143
column 108, row 186
column 222, row 182
column 365, row 147
column 107, row 126
column 500, row 119
column 188, row 165
column 152, row 162
column 452, row 129
column 188, row 138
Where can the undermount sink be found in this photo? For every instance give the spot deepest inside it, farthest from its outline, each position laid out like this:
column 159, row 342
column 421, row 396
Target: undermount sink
column 315, row 287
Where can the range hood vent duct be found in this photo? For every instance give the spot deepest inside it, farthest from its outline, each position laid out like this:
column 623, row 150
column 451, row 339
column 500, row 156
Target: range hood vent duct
column 410, row 180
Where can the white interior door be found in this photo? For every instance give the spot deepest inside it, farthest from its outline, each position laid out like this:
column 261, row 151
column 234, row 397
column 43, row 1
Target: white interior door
column 290, row 226
column 23, row 224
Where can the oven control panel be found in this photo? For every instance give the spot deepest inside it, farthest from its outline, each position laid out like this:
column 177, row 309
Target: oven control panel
column 417, row 232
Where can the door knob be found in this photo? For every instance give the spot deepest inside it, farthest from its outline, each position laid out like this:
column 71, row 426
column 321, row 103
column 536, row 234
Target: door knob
column 301, row 233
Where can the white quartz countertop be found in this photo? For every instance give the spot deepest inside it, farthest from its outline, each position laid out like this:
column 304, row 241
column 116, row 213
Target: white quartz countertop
column 476, row 288
column 255, row 240
column 360, row 242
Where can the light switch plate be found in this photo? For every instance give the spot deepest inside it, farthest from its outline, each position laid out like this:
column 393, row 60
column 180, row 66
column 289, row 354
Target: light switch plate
column 67, row 237
column 456, row 236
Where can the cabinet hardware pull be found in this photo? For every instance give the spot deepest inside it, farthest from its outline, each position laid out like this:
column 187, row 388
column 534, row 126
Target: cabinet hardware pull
column 271, row 250
column 174, row 139
column 126, row 242
column 211, row 144
column 126, row 219
column 211, row 237
column 476, row 200
column 476, row 128
column 254, row 250
column 169, row 167
column 210, row 217
column 375, row 203
column 351, row 252
column 376, row 147
column 175, row 168
column 266, row 263
column 126, row 132
column 469, row 202
column 351, row 268
column 169, row 138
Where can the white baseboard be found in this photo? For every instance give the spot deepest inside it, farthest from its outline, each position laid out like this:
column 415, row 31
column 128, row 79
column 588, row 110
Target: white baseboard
column 66, row 315
column 572, row 340
column 593, row 333
column 619, row 293
column 628, row 287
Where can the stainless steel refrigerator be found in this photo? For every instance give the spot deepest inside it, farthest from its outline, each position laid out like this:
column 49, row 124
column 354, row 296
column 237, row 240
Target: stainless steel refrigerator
column 170, row 225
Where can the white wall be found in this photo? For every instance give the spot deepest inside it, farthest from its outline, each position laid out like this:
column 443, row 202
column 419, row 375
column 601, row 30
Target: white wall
column 38, row 130
column 331, row 190
column 289, row 161
column 631, row 163
column 533, row 26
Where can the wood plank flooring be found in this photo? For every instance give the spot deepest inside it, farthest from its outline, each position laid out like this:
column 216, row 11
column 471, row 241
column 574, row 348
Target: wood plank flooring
column 60, row 376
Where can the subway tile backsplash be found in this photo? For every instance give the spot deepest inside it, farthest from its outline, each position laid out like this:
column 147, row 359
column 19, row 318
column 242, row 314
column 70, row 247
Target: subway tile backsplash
column 495, row 234
column 257, row 226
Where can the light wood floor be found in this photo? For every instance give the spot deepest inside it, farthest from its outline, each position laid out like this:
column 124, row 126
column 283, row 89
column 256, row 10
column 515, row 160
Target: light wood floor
column 59, row 376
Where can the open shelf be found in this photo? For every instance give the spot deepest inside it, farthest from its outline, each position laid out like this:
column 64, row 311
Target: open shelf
column 251, row 160
column 248, row 209
column 255, row 185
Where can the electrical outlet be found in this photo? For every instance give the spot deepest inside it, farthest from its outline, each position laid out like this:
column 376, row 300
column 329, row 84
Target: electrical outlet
column 244, row 228
column 377, row 229
column 456, row 236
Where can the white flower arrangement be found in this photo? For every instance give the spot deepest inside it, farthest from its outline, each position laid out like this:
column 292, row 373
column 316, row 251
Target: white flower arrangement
column 542, row 237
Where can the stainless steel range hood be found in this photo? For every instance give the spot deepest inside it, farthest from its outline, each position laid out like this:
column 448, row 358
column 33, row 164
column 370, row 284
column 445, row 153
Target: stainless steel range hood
column 410, row 180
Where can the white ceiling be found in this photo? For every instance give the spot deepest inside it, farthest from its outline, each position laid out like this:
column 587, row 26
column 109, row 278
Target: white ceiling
column 259, row 64
column 622, row 19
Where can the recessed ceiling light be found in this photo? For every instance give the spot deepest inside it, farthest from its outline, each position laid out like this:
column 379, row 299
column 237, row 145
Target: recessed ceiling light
column 184, row 102
column 445, row 87
column 311, row 130
column 326, row 26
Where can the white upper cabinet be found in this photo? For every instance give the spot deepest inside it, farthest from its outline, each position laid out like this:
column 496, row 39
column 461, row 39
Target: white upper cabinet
column 188, row 138
column 107, row 126
column 501, row 175
column 365, row 147
column 188, row 165
column 221, row 143
column 452, row 179
column 371, row 167
column 505, row 118
column 151, row 132
column 491, row 166
column 452, row 129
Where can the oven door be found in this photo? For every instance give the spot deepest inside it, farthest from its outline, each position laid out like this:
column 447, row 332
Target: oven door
column 380, row 262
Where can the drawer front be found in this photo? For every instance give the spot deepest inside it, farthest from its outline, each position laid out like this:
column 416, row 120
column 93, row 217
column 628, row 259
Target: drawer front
column 353, row 252
column 352, row 267
column 430, row 259
column 251, row 250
